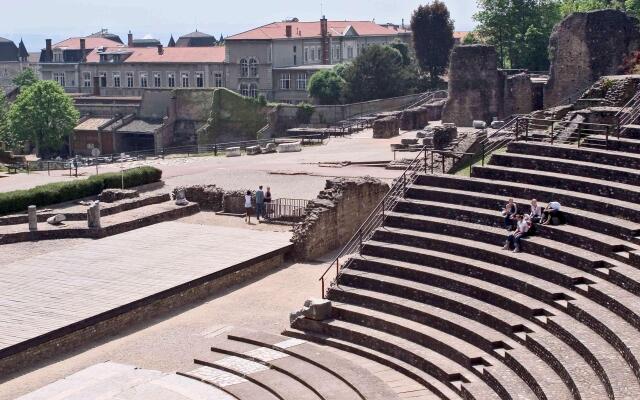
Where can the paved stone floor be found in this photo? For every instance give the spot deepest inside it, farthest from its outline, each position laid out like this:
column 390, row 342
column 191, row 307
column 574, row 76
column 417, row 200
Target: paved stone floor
column 49, row 291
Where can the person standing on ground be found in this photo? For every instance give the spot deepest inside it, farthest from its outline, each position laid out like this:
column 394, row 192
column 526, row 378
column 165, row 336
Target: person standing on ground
column 259, row 203
column 267, row 202
column 247, row 207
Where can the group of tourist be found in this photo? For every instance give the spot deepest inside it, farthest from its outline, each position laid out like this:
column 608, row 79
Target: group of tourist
column 522, row 224
column 262, row 200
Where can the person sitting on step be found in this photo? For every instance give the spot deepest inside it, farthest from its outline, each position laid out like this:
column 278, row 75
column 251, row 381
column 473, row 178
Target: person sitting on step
column 536, row 212
column 508, row 212
column 522, row 230
column 552, row 214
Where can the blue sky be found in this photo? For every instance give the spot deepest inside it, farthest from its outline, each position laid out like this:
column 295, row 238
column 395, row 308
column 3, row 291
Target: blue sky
column 35, row 20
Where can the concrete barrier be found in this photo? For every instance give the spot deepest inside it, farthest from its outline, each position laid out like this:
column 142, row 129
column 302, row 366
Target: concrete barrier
column 289, row 147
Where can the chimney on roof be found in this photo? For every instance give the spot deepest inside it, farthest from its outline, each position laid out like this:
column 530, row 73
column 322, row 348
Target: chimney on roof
column 160, row 49
column 48, row 51
column 130, row 39
column 324, row 41
column 83, row 47
column 287, row 31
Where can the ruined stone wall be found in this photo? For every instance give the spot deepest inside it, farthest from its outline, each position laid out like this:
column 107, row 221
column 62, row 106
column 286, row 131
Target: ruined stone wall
column 518, row 95
column 335, row 215
column 386, row 127
column 475, row 86
column 586, row 46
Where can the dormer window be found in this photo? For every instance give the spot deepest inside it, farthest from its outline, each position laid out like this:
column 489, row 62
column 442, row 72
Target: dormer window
column 57, row 56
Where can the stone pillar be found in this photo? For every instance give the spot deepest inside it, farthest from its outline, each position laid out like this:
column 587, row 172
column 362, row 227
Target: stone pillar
column 33, row 219
column 93, row 216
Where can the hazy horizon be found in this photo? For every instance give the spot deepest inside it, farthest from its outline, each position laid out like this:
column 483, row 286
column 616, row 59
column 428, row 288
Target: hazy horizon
column 36, row 20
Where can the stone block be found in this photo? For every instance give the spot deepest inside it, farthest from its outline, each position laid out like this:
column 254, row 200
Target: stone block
column 56, row 219
column 497, row 124
column 421, row 134
column 270, row 148
column 317, row 309
column 181, row 197
column 408, row 141
column 113, row 195
column 289, row 147
column 477, row 124
column 253, row 150
column 33, row 218
column 93, row 216
column 386, row 127
column 233, row 152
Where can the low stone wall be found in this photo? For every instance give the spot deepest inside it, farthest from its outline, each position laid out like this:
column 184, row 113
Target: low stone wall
column 213, row 198
column 419, row 117
column 335, row 215
column 386, row 127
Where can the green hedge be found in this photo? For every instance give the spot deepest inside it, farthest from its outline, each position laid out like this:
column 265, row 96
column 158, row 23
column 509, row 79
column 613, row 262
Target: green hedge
column 60, row 192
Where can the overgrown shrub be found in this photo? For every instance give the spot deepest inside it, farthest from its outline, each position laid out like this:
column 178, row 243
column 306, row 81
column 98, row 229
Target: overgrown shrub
column 304, row 113
column 60, row 192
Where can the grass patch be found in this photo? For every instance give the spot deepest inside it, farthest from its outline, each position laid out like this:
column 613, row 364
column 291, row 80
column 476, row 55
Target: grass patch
column 60, row 192
column 477, row 161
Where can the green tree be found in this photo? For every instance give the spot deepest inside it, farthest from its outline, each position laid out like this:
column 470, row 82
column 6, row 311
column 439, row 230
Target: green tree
column 569, row 6
column 471, row 38
column 4, row 130
column 519, row 29
column 44, row 115
column 377, row 73
column 403, row 48
column 433, row 40
column 326, row 86
column 25, row 78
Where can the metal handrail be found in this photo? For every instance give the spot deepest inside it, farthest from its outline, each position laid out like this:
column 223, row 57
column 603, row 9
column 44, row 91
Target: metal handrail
column 377, row 216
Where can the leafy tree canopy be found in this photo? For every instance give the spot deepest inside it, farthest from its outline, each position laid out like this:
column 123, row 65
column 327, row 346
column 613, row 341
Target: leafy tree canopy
column 25, row 78
column 326, row 86
column 433, row 40
column 44, row 115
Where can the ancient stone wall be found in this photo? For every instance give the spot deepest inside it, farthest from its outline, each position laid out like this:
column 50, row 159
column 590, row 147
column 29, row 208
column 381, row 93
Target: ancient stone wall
column 586, row 46
column 335, row 215
column 518, row 95
column 386, row 127
column 475, row 86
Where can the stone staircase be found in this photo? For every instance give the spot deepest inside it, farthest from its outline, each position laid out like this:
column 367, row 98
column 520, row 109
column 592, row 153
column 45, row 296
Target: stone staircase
column 250, row 365
column 433, row 295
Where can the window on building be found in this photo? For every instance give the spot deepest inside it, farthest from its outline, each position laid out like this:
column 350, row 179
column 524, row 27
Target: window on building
column 253, row 67
column 184, row 78
column 285, row 81
column 306, row 54
column 86, row 79
column 253, row 90
column 171, row 79
column 336, row 53
column 319, row 53
column 129, row 79
column 295, row 49
column 218, row 79
column 349, row 52
column 244, row 89
column 244, row 68
column 116, row 79
column 301, row 82
column 313, row 53
column 144, row 80
column 295, row 59
column 103, row 79
column 60, row 78
column 157, row 79
column 57, row 57
column 199, row 79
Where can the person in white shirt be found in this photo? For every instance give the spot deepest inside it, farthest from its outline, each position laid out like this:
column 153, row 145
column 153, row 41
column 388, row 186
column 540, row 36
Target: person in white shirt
column 536, row 212
column 522, row 228
column 552, row 211
column 508, row 212
column 247, row 207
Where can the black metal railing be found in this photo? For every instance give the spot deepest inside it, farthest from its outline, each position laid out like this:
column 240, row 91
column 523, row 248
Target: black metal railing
column 562, row 131
column 286, row 210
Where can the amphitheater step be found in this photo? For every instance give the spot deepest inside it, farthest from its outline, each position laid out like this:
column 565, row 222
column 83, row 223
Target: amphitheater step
column 445, row 370
column 589, row 220
column 586, row 185
column 495, row 374
column 524, row 270
column 596, row 349
column 613, row 327
column 571, row 152
column 618, row 273
column 437, row 388
column 572, row 235
column 358, row 379
column 232, row 384
column 569, row 167
column 539, row 376
column 631, row 131
column 621, row 144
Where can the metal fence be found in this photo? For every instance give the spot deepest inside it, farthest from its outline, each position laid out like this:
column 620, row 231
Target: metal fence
column 286, row 210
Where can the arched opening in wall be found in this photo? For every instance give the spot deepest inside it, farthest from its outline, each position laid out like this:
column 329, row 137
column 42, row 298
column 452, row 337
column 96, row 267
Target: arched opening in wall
column 253, row 90
column 253, row 67
column 244, row 89
column 244, row 68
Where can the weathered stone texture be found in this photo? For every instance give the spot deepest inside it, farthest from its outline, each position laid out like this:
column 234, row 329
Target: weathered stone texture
column 475, row 85
column 518, row 95
column 113, row 195
column 335, row 215
column 386, row 127
column 586, row 46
